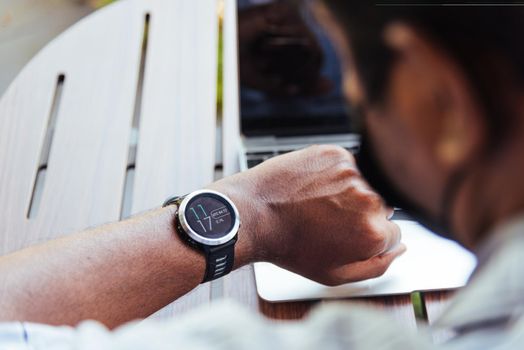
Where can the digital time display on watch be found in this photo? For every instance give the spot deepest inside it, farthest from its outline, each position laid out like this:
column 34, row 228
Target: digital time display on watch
column 210, row 216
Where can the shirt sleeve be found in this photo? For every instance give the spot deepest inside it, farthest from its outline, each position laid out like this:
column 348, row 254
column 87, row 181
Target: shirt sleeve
column 226, row 325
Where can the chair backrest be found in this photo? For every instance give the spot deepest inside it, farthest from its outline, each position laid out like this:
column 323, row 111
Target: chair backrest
column 126, row 98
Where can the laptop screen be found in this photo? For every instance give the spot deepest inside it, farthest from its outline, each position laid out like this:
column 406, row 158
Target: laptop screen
column 290, row 75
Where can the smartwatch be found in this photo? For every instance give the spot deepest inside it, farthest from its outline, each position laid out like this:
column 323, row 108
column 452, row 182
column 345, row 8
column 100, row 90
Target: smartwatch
column 208, row 221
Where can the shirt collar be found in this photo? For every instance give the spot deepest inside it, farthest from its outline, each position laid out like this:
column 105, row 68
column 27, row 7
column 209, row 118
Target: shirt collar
column 495, row 292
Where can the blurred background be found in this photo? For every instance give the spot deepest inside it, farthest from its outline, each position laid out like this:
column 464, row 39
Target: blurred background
column 26, row 26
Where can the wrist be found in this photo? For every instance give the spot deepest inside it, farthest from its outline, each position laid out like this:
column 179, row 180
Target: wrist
column 251, row 246
column 195, row 261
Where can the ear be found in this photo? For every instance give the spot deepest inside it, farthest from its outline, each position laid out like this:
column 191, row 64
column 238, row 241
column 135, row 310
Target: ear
column 453, row 125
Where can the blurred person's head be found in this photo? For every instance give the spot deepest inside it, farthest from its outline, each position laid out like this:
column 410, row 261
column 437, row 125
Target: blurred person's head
column 441, row 89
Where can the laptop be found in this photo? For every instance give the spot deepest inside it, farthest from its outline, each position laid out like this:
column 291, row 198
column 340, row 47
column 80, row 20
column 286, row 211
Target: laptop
column 291, row 96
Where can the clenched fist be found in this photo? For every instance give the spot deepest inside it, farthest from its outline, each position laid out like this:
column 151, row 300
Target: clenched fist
column 310, row 212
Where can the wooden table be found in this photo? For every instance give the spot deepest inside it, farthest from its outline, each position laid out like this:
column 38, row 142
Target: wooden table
column 117, row 114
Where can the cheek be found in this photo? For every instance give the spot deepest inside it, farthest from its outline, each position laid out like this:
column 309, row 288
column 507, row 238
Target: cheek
column 403, row 159
column 411, row 102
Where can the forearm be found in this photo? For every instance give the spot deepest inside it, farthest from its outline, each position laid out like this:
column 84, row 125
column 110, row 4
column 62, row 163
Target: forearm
column 113, row 273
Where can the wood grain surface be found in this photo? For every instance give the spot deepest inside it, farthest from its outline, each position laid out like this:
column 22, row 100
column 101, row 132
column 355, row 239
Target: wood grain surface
column 87, row 157
column 398, row 307
column 435, row 303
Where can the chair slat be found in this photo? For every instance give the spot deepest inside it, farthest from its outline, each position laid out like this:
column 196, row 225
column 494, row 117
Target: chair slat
column 84, row 179
column 176, row 144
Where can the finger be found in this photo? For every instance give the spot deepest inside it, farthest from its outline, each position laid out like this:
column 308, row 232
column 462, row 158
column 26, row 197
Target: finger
column 371, row 268
column 392, row 236
column 389, row 212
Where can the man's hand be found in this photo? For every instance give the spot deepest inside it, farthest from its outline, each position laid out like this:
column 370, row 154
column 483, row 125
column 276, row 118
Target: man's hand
column 311, row 212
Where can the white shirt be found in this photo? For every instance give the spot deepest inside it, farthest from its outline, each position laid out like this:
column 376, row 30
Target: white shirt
column 487, row 314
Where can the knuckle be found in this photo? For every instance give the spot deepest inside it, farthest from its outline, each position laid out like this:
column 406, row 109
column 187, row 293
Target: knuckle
column 346, row 169
column 372, row 200
column 333, row 151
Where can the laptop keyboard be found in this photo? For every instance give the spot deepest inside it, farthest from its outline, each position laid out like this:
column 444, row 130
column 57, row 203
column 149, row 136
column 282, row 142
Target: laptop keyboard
column 255, row 158
column 254, row 162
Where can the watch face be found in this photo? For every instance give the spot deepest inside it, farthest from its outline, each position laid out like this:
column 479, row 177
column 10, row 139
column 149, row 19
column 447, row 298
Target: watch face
column 210, row 216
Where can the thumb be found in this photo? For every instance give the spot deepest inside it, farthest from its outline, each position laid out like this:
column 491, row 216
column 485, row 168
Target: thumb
column 371, row 268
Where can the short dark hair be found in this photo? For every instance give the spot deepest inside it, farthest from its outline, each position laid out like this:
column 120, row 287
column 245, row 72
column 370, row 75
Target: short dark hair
column 482, row 39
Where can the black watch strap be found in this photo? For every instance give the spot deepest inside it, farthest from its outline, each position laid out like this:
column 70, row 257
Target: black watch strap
column 219, row 260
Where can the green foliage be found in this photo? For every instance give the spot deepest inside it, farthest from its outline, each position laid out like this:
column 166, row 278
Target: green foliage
column 419, row 306
column 101, row 3
column 220, row 70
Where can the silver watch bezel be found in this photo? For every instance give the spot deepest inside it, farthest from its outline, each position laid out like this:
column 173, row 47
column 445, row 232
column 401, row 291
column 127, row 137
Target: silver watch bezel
column 193, row 234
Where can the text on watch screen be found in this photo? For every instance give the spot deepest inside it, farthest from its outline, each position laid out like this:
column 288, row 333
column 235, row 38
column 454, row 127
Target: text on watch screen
column 209, row 216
